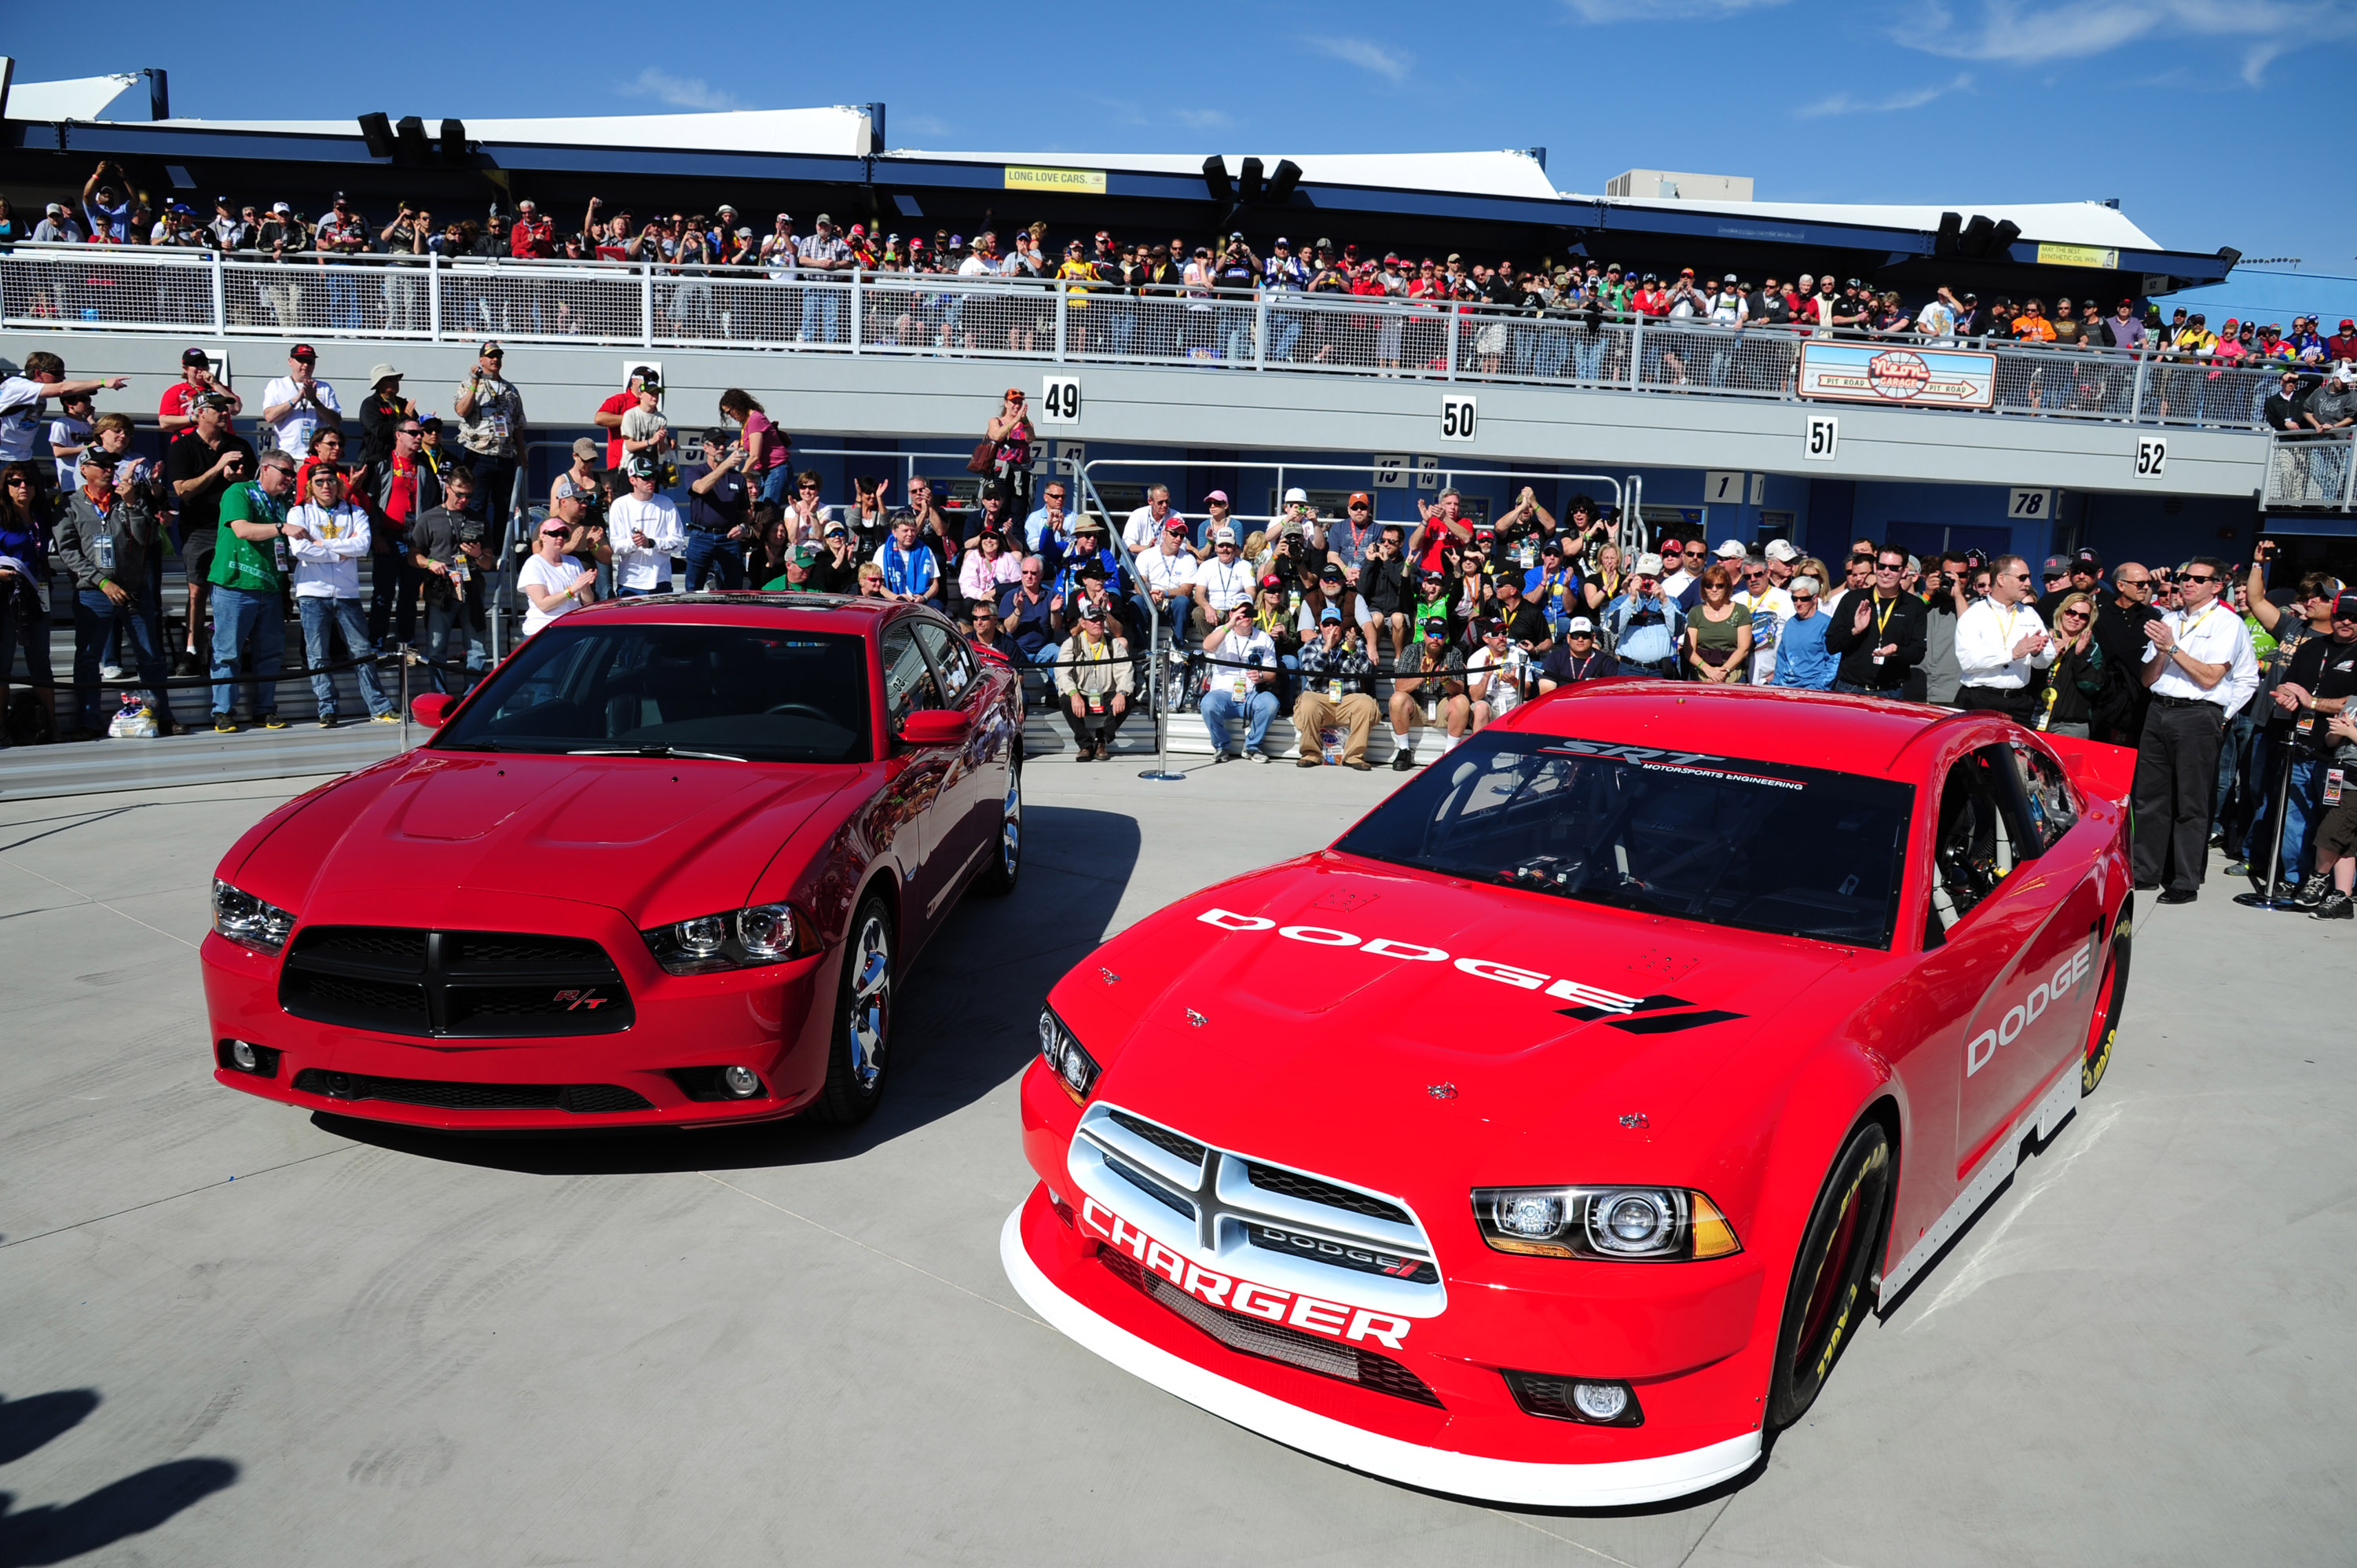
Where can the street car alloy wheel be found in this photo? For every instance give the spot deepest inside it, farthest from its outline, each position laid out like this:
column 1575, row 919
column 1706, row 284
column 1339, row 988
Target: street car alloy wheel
column 863, row 1025
column 2103, row 1027
column 1827, row 1299
column 998, row 877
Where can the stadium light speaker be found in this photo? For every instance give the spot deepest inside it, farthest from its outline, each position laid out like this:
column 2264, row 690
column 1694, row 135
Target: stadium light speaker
column 1951, row 228
column 1249, row 182
column 1216, row 180
column 2002, row 237
column 409, row 141
column 454, row 142
column 1281, row 183
column 377, row 131
column 1976, row 240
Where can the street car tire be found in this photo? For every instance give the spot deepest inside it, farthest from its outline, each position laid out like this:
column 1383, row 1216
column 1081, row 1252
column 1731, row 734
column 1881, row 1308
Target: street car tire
column 859, row 1056
column 1828, row 1297
column 997, row 878
column 2103, row 1026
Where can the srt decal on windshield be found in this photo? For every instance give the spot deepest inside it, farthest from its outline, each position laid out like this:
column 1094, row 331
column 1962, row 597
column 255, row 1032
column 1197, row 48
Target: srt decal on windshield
column 1656, row 1014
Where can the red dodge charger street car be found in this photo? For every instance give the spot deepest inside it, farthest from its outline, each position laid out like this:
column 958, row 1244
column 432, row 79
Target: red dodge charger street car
column 1546, row 1138
column 665, row 866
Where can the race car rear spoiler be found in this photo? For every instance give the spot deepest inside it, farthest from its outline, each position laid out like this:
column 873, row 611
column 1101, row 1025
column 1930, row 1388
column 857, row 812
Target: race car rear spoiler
column 2097, row 767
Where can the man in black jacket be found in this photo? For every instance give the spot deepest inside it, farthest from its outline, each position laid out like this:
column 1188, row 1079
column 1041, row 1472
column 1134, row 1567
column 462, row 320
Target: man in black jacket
column 1879, row 634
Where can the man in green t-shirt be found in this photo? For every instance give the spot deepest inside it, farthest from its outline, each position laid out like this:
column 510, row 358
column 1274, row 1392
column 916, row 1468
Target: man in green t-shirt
column 796, row 577
column 249, row 574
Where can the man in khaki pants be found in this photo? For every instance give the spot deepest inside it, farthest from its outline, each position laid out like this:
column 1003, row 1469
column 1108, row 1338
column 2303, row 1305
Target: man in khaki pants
column 1334, row 674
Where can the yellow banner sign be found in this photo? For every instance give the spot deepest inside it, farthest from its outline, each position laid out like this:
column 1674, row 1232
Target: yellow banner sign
column 1074, row 181
column 2076, row 256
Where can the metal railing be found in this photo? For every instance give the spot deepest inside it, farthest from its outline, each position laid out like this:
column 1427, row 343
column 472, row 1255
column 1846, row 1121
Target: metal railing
column 649, row 306
column 2312, row 473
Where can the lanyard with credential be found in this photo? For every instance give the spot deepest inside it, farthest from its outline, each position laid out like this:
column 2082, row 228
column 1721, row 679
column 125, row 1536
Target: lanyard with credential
column 1882, row 622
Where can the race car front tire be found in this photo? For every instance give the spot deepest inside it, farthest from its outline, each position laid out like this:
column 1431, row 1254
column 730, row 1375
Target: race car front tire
column 1828, row 1296
column 2103, row 1026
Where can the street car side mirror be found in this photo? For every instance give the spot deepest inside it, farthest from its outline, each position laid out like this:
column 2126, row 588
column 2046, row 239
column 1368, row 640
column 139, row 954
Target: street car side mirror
column 935, row 726
column 432, row 709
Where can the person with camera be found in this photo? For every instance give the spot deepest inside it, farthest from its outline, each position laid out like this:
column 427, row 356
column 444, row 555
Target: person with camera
column 490, row 429
column 2336, row 832
column 1242, row 664
column 200, row 465
column 1336, row 675
column 1644, row 627
column 717, row 501
column 1498, row 677
column 447, row 546
column 103, row 540
column 1095, row 680
column 551, row 582
column 2314, row 687
column 2200, row 669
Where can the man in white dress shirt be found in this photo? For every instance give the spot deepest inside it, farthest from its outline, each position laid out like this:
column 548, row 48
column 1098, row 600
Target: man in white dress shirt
column 643, row 528
column 1999, row 641
column 2199, row 667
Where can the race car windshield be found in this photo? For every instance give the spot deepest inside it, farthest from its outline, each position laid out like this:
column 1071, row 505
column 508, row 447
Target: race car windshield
column 721, row 692
column 1792, row 851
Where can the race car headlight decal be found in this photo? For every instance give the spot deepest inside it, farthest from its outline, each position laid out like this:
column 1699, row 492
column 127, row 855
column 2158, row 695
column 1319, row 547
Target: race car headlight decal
column 737, row 939
column 1639, row 1224
column 248, row 920
column 1073, row 1065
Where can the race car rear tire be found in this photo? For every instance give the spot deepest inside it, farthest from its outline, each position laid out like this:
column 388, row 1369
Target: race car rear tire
column 2103, row 1024
column 858, row 1053
column 1828, row 1297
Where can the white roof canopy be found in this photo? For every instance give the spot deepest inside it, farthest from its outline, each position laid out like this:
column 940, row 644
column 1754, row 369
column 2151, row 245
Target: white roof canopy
column 84, row 98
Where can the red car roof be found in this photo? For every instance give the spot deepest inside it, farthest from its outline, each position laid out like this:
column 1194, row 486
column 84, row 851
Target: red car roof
column 792, row 612
column 1768, row 723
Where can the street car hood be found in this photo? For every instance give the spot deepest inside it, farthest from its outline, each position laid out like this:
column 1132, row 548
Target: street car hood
column 1537, row 1019
column 655, row 840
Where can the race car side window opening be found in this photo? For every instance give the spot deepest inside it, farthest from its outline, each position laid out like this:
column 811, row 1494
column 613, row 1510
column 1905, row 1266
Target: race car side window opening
column 908, row 683
column 2053, row 810
column 1977, row 841
column 747, row 691
column 1762, row 846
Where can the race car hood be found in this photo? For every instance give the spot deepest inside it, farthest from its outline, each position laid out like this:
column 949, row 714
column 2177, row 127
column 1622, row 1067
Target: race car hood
column 1376, row 994
column 604, row 831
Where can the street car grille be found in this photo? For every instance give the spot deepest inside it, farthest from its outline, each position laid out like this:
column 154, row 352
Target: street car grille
column 581, row 1099
column 1275, row 1342
column 398, row 980
column 1231, row 1204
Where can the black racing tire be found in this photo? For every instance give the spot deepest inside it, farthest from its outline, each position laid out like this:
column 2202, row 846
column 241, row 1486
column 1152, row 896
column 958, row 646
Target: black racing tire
column 2111, row 997
column 1828, row 1296
column 858, row 1053
column 998, row 878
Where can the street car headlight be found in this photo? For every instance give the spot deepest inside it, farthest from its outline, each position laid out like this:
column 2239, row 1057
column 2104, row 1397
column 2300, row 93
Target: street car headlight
column 1073, row 1065
column 737, row 939
column 248, row 920
column 1639, row 1224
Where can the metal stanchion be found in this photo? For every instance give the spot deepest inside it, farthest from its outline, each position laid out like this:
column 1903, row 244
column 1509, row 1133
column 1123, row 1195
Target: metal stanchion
column 407, row 658
column 2270, row 894
column 1160, row 772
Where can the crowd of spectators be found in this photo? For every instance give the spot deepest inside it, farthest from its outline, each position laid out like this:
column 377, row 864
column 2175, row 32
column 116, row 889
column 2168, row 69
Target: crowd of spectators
column 1581, row 295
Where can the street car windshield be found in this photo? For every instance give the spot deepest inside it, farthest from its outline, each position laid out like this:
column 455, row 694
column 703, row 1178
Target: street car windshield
column 723, row 693
column 1728, row 841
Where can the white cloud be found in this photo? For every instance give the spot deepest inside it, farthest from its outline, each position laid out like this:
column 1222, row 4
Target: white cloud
column 1659, row 10
column 2019, row 34
column 923, row 124
column 1203, row 119
column 679, row 92
column 1848, row 103
column 1366, row 56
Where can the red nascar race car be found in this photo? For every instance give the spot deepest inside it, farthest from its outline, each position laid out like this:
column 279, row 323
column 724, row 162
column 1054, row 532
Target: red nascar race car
column 663, row 867
column 1546, row 1138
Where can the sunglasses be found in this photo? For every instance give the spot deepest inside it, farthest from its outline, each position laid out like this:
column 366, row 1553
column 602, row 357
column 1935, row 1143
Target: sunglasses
column 2205, row 577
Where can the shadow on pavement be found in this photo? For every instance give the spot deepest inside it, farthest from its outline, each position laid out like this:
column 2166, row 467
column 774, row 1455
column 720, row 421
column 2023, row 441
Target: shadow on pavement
column 968, row 1022
column 131, row 1506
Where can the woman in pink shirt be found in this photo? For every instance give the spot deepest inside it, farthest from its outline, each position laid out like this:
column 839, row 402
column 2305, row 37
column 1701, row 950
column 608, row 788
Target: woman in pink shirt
column 769, row 451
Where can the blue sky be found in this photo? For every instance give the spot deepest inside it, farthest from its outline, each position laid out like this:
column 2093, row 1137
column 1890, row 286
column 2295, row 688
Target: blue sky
column 2190, row 112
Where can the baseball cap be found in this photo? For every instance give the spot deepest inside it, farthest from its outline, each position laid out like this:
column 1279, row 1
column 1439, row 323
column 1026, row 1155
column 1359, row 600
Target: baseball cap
column 2345, row 608
column 806, row 556
column 1092, row 611
column 641, row 467
column 823, row 218
column 1330, row 572
column 1361, row 498
column 567, row 485
column 556, row 527
column 1222, row 535
column 491, row 351
column 281, row 207
column 302, row 352
column 1552, row 547
column 195, row 357
column 587, row 451
column 1434, row 631
column 2056, row 565
column 834, row 530
column 1781, row 550
column 94, row 456
column 2348, row 325
column 1730, row 551
column 1578, row 624
column 1648, row 565
column 1489, row 626
column 1219, row 496
column 383, row 374
column 1330, row 614
column 2089, row 559
column 1271, row 581
column 1175, row 525
column 1728, row 278
column 1296, row 494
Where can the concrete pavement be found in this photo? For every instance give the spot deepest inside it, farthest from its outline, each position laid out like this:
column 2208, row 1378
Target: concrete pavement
column 238, row 1333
